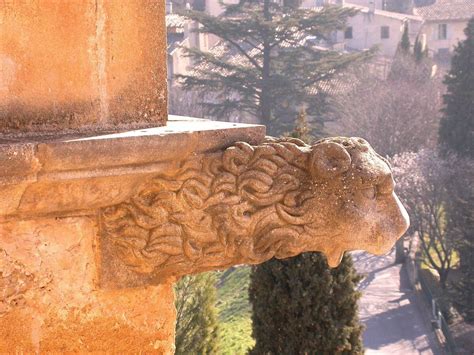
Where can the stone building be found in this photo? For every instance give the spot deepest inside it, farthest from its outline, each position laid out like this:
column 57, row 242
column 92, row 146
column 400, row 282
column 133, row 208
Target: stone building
column 372, row 26
column 444, row 22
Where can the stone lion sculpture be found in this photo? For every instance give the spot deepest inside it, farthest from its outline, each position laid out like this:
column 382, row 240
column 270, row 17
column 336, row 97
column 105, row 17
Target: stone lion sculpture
column 248, row 204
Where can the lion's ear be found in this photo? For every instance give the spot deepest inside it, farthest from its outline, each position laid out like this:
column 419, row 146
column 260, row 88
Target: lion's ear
column 328, row 160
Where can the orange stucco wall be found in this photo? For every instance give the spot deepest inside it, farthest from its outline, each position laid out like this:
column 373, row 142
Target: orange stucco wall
column 81, row 63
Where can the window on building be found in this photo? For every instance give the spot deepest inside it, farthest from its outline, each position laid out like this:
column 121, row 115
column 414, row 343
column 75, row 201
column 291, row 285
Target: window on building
column 320, row 3
column 442, row 31
column 348, row 33
column 384, row 32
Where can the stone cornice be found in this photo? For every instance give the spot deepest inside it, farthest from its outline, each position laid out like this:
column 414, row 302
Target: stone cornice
column 40, row 176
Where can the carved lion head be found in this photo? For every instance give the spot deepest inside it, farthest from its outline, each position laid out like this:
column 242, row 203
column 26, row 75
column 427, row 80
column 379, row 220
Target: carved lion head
column 352, row 204
column 251, row 203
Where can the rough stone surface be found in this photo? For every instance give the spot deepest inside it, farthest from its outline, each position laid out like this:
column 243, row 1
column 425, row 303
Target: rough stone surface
column 249, row 204
column 50, row 301
column 82, row 65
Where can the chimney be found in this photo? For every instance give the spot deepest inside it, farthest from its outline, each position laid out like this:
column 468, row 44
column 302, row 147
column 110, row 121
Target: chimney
column 169, row 7
column 371, row 6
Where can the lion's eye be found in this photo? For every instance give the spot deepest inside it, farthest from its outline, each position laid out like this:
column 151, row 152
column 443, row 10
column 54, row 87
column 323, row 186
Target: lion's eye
column 369, row 193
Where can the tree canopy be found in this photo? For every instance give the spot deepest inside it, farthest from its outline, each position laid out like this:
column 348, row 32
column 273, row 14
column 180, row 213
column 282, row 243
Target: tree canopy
column 196, row 315
column 301, row 306
column 456, row 136
column 270, row 61
column 456, row 132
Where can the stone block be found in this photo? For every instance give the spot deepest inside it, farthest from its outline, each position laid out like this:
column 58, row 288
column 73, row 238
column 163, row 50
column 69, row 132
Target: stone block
column 82, row 65
column 50, row 300
column 63, row 175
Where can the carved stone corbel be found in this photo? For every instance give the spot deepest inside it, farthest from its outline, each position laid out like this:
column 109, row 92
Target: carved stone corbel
column 248, row 204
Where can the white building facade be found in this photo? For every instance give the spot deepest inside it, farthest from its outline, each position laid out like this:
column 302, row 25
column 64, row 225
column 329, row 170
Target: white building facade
column 444, row 24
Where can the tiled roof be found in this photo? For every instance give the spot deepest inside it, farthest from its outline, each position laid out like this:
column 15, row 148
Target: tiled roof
column 176, row 22
column 447, row 10
column 336, row 85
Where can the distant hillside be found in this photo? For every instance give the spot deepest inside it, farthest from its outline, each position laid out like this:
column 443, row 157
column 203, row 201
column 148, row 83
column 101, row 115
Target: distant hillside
column 234, row 311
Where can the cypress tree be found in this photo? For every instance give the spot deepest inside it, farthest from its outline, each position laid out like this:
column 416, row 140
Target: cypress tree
column 405, row 41
column 196, row 315
column 456, row 136
column 269, row 61
column 418, row 51
column 301, row 306
column 302, row 129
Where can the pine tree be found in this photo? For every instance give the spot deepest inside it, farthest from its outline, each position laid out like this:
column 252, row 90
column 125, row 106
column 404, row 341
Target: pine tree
column 405, row 41
column 301, row 306
column 268, row 62
column 196, row 318
column 456, row 136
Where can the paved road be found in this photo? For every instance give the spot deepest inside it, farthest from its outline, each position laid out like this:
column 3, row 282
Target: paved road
column 394, row 324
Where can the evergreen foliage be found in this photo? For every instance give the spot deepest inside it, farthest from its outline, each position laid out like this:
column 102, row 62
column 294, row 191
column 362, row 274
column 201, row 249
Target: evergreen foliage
column 456, row 130
column 405, row 41
column 301, row 306
column 302, row 129
column 460, row 211
column 269, row 62
column 456, row 136
column 196, row 318
column 419, row 52
column 235, row 324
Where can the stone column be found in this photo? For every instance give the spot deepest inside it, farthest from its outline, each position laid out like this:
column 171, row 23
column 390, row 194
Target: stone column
column 75, row 69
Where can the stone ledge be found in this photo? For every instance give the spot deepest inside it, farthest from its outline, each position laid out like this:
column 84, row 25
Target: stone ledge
column 42, row 176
